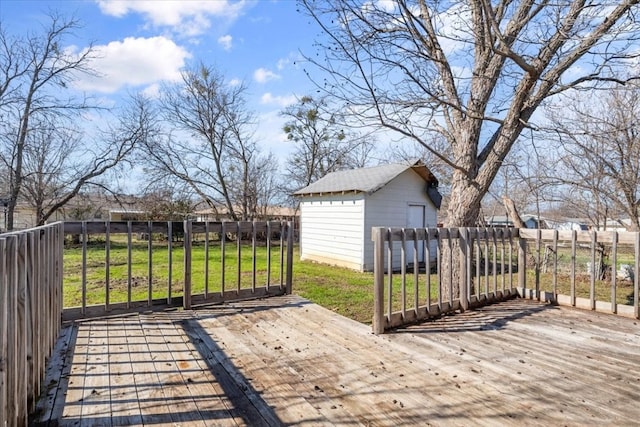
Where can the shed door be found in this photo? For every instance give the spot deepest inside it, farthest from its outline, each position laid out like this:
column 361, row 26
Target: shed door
column 415, row 219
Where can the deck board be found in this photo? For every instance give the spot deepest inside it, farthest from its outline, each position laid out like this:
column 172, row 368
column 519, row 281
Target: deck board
column 285, row 361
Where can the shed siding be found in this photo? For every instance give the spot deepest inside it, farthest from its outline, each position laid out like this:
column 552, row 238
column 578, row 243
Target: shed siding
column 331, row 229
column 389, row 207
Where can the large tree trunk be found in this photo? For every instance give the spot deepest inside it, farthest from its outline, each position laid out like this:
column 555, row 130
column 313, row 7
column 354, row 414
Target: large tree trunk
column 463, row 211
column 513, row 212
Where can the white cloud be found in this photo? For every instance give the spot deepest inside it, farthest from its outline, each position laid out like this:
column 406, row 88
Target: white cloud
column 453, row 26
column 262, row 75
column 282, row 63
column 185, row 17
column 386, row 5
column 134, row 62
column 225, row 41
column 152, row 91
column 281, row 101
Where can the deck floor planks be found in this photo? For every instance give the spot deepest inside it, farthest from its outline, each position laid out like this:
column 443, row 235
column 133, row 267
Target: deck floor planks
column 162, row 340
column 152, row 401
column 125, row 409
column 247, row 352
column 72, row 410
column 202, row 392
column 302, row 358
column 400, row 382
column 532, row 368
column 241, row 357
column 50, row 404
column 96, row 403
column 515, row 363
column 394, row 382
column 368, row 391
column 213, row 402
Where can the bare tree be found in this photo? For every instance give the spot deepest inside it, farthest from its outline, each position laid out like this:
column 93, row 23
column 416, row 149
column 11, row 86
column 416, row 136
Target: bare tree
column 209, row 143
column 59, row 162
column 600, row 154
column 323, row 142
column 35, row 71
column 473, row 71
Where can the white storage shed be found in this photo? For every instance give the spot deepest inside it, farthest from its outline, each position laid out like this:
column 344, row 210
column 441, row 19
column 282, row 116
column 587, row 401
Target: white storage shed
column 338, row 211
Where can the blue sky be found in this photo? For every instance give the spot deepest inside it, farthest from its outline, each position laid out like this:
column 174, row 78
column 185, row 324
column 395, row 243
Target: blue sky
column 144, row 43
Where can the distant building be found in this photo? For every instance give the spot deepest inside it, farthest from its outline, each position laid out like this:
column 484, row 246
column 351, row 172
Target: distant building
column 531, row 221
column 338, row 211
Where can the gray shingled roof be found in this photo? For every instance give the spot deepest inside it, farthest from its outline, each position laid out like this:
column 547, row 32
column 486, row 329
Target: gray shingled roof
column 367, row 180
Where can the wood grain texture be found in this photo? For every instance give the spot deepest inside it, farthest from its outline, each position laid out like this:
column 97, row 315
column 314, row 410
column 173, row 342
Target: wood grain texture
column 286, row 361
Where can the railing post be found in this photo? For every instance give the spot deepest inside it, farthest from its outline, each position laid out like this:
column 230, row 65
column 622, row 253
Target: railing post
column 186, row 300
column 522, row 265
column 289, row 279
column 377, row 235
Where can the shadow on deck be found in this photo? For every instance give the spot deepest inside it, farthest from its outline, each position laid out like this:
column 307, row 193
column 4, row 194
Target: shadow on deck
column 285, row 361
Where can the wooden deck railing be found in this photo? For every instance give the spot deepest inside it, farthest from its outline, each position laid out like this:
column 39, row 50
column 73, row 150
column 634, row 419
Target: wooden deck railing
column 221, row 251
column 32, row 270
column 595, row 270
column 497, row 263
column 30, row 315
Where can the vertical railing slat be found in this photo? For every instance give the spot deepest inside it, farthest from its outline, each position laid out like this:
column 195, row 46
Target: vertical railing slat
column 511, row 231
column 4, row 332
column 573, row 266
column 502, row 264
column 290, row 239
column 24, row 352
column 390, row 277
column 378, row 281
column 494, row 247
column 427, row 257
column 129, row 264
column 84, row 267
column 439, row 268
column 223, row 239
column 555, row 265
column 254, row 242
column 403, row 274
column 478, row 263
column 614, row 268
column 150, row 264
column 636, row 278
column 238, row 256
column 206, row 259
column 169, row 260
column 107, row 263
column 282, row 250
column 522, row 265
column 188, row 238
column 592, row 276
column 462, row 263
column 268, row 254
column 416, row 273
column 538, row 261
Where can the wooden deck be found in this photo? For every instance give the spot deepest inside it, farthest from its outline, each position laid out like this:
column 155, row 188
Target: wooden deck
column 285, row 361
